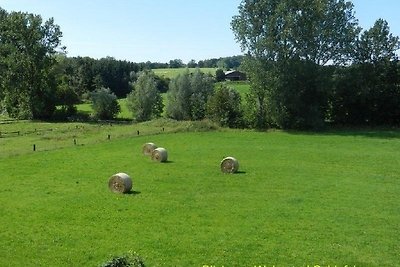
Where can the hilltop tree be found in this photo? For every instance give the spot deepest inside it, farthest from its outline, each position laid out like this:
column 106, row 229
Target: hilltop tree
column 145, row 101
column 27, row 49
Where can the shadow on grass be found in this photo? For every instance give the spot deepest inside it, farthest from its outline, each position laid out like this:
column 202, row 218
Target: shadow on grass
column 378, row 132
column 133, row 193
column 167, row 162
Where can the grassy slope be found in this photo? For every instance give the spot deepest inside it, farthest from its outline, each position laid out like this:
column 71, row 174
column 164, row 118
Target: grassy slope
column 299, row 199
column 172, row 73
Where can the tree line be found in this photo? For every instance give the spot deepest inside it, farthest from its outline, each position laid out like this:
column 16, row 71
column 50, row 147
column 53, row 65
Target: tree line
column 36, row 75
column 310, row 64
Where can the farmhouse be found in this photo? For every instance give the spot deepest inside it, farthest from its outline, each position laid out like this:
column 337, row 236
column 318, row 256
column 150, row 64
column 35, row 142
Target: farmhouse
column 235, row 75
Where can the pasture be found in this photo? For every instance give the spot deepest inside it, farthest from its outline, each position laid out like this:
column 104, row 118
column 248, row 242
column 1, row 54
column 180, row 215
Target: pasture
column 299, row 198
column 172, row 73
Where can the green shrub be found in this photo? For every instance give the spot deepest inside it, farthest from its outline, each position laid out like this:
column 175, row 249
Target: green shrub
column 105, row 104
column 132, row 259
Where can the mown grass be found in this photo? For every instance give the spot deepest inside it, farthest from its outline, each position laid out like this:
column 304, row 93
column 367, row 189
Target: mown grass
column 172, row 73
column 300, row 199
column 124, row 113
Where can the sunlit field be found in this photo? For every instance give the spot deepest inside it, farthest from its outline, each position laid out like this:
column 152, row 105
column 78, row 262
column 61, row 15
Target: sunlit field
column 298, row 199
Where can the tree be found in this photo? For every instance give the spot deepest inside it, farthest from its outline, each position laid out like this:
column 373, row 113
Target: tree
column 192, row 64
column 281, row 36
column 368, row 92
column 188, row 95
column 202, row 86
column 175, row 63
column 66, row 97
column 178, row 105
column 162, row 83
column 104, row 104
column 219, row 75
column 27, row 49
column 377, row 44
column 145, row 101
column 224, row 107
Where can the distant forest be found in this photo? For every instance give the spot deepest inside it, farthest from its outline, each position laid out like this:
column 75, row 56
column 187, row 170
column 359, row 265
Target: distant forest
column 85, row 74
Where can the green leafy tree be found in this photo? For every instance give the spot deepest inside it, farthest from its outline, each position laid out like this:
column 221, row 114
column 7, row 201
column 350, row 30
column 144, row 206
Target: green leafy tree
column 145, row 101
column 178, row 105
column 224, row 107
column 202, row 86
column 377, row 44
column 27, row 49
column 219, row 75
column 368, row 92
column 105, row 104
column 188, row 95
column 66, row 97
column 175, row 63
column 279, row 37
column 192, row 64
column 162, row 83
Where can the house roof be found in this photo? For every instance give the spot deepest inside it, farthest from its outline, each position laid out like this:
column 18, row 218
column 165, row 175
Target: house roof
column 231, row 71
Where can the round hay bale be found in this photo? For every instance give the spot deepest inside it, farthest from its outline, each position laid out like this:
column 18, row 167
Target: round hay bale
column 120, row 183
column 159, row 154
column 229, row 165
column 148, row 149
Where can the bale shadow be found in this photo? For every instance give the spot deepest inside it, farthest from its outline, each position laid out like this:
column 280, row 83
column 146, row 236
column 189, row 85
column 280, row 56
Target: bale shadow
column 240, row 172
column 133, row 193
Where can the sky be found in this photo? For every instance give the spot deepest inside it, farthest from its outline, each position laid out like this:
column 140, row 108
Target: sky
column 162, row 30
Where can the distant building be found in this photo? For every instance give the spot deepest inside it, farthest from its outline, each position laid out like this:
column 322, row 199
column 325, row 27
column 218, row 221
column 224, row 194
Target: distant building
column 235, row 75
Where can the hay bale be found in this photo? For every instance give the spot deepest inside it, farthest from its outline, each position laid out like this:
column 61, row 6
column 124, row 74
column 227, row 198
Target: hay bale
column 229, row 165
column 120, row 183
column 148, row 149
column 159, row 154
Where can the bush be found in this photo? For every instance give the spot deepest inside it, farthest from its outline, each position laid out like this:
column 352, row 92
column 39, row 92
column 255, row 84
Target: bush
column 224, row 107
column 104, row 104
column 132, row 259
column 219, row 75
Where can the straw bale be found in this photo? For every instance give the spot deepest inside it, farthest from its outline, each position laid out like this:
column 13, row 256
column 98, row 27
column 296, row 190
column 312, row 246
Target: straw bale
column 159, row 154
column 229, row 165
column 120, row 183
column 148, row 148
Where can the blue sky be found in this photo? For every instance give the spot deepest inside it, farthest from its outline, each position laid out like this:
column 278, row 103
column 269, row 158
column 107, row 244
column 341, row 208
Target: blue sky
column 161, row 30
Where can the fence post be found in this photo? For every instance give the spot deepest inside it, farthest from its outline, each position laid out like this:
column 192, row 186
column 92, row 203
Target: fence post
column 34, row 147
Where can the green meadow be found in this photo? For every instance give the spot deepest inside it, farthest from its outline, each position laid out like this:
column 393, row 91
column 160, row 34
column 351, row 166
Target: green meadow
column 329, row 198
column 172, row 73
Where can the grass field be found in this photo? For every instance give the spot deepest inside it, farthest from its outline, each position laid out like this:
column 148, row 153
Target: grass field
column 172, row 73
column 299, row 199
column 123, row 114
